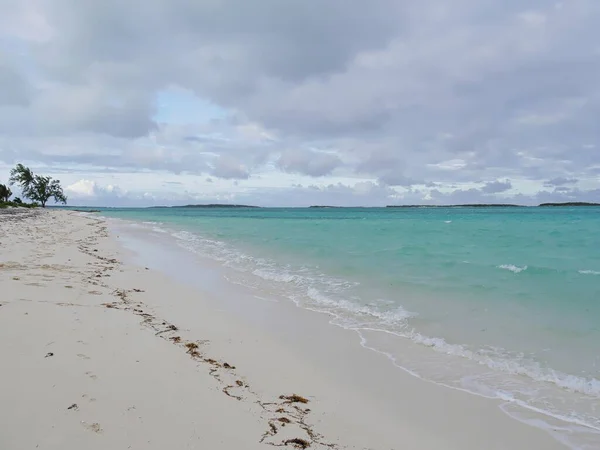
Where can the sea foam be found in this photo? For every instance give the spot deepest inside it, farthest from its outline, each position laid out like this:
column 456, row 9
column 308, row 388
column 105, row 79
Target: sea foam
column 400, row 256
column 512, row 268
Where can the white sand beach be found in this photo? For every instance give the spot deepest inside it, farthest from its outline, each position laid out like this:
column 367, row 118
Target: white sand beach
column 98, row 352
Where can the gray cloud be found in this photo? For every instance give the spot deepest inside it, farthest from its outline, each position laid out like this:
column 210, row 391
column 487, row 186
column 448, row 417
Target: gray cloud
column 339, row 194
column 592, row 196
column 336, row 194
column 308, row 162
column 562, row 189
column 404, row 93
column 496, row 187
column 387, row 167
column 229, row 168
column 15, row 90
column 560, row 181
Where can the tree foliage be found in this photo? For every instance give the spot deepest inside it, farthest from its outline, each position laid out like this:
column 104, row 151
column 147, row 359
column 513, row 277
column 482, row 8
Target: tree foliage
column 37, row 188
column 5, row 193
column 45, row 188
column 22, row 176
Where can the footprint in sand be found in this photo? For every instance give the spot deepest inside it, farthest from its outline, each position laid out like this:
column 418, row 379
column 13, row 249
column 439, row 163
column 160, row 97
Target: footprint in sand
column 82, row 356
column 92, row 375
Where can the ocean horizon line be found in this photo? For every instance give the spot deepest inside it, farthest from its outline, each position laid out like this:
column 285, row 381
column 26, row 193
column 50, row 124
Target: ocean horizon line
column 238, row 206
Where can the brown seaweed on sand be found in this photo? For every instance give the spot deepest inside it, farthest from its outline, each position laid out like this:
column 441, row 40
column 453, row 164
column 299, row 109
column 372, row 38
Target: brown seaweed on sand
column 294, row 398
column 192, row 349
column 191, row 346
column 297, row 442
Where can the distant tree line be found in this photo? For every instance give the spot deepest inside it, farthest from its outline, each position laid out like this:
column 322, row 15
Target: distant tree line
column 36, row 188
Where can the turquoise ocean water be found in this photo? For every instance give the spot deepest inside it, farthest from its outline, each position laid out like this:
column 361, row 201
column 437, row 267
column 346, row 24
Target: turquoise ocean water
column 503, row 302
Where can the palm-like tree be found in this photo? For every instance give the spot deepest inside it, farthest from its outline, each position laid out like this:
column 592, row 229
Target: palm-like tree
column 45, row 188
column 36, row 187
column 5, row 193
column 22, row 175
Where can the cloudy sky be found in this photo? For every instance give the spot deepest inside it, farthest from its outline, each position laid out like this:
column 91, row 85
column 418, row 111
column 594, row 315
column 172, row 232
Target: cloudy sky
column 300, row 102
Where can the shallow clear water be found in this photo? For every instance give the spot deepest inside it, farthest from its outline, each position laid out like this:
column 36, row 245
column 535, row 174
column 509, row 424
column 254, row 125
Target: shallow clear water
column 506, row 300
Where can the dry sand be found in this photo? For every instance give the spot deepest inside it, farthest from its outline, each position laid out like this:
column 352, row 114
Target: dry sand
column 100, row 354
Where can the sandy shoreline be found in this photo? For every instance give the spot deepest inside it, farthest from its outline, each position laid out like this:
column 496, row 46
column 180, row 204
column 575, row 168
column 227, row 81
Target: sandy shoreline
column 100, row 353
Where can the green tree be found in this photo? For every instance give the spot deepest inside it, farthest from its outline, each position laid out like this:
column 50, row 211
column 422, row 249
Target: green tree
column 22, row 176
column 5, row 193
column 45, row 188
column 37, row 188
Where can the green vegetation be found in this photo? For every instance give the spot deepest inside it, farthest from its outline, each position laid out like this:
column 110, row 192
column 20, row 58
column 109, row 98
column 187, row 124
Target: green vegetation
column 18, row 204
column 5, row 193
column 5, row 202
column 570, row 204
column 37, row 188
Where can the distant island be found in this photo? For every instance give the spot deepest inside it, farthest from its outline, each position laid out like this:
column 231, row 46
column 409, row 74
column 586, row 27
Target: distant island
column 218, row 205
column 496, row 205
column 212, row 205
column 570, row 204
column 468, row 205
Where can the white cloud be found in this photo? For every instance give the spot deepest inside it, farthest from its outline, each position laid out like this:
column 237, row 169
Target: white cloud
column 82, row 188
column 87, row 189
column 397, row 93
